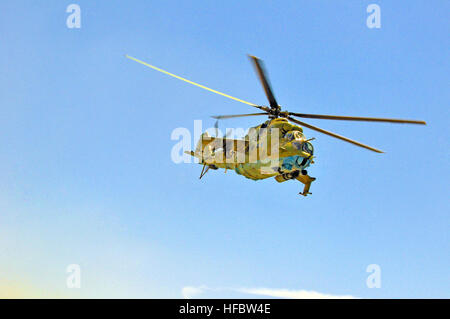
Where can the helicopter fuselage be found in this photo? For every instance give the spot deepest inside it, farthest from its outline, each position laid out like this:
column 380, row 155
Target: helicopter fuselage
column 276, row 148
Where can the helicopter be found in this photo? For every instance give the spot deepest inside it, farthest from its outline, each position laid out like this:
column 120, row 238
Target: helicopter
column 276, row 148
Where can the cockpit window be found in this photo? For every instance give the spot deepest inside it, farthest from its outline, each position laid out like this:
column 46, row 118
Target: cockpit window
column 293, row 135
column 308, row 148
column 289, row 136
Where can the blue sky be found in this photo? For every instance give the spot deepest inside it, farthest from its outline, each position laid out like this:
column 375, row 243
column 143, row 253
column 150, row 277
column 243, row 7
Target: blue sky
column 86, row 175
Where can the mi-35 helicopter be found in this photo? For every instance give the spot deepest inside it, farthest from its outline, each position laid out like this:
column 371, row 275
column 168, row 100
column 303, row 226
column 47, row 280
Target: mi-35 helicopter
column 276, row 148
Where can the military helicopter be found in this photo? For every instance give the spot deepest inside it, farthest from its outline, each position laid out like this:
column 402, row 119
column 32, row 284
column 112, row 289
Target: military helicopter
column 276, row 148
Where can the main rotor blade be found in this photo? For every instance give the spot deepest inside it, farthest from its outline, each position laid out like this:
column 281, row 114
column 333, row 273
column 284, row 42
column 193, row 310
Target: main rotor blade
column 220, row 117
column 318, row 129
column 262, row 74
column 356, row 118
column 190, row 82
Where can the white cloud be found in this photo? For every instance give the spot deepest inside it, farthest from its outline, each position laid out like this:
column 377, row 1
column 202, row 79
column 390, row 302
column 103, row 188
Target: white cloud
column 291, row 294
column 195, row 292
column 192, row 292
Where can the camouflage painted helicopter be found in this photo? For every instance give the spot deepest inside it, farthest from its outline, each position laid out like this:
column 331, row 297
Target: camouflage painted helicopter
column 276, row 148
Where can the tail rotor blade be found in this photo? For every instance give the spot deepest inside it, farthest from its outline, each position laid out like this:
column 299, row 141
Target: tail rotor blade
column 216, row 126
column 228, row 133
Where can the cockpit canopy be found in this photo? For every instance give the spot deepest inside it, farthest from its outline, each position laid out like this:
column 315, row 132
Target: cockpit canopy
column 308, row 148
column 298, row 140
column 294, row 135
